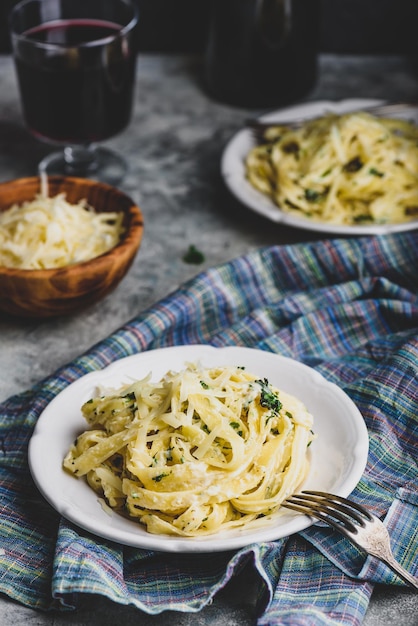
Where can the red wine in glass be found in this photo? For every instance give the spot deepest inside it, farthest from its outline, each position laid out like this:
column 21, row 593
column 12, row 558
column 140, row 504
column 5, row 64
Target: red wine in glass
column 76, row 79
column 77, row 98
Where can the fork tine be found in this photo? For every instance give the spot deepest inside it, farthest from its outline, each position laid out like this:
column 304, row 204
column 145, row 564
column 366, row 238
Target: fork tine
column 258, row 129
column 349, row 508
column 308, row 509
column 340, row 518
column 342, row 500
column 349, row 514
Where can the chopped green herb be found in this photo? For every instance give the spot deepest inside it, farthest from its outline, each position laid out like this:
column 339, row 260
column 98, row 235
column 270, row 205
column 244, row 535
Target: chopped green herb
column 292, row 147
column 193, row 256
column 354, row 165
column 235, row 426
column 129, row 396
column 269, row 399
column 159, row 477
column 411, row 210
column 361, row 218
column 374, row 172
column 311, row 195
column 117, row 462
column 204, row 385
column 312, row 433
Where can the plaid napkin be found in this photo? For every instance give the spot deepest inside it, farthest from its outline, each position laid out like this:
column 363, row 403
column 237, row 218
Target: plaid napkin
column 349, row 309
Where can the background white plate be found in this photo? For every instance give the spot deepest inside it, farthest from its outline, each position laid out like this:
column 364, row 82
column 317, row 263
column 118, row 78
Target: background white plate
column 233, row 170
column 339, row 454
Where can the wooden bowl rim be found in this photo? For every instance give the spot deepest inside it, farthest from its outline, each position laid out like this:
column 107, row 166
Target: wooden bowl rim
column 130, row 240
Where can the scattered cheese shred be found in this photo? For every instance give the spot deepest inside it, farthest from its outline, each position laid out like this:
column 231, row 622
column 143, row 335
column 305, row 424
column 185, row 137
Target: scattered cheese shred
column 47, row 233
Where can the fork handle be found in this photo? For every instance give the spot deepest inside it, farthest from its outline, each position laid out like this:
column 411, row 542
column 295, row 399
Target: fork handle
column 387, row 108
column 399, row 570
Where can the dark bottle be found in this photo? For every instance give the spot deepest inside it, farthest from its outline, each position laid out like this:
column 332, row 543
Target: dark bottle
column 262, row 53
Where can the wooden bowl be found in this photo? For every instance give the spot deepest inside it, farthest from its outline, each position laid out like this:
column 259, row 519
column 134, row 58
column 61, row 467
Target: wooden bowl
column 62, row 291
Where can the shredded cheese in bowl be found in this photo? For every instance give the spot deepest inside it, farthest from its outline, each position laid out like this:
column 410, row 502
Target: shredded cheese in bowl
column 47, row 233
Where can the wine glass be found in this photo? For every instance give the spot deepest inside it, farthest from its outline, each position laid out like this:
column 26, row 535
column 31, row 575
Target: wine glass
column 75, row 64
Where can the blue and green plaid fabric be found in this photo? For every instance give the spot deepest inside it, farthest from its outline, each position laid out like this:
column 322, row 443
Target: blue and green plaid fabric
column 349, row 309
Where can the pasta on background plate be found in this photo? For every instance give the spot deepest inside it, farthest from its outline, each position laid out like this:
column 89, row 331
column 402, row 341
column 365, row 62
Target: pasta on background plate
column 200, row 451
column 340, row 169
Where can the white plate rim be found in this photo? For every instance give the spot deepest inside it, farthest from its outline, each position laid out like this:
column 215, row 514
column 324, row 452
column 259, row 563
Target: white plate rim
column 233, row 171
column 57, row 427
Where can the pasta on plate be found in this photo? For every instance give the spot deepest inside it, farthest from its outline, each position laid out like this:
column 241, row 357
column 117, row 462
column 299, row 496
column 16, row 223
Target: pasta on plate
column 201, row 450
column 346, row 169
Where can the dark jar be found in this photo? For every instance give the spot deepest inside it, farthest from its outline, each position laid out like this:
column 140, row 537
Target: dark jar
column 262, row 53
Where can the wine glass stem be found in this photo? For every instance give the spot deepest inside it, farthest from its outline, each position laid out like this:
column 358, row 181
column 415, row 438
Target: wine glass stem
column 88, row 161
column 80, row 159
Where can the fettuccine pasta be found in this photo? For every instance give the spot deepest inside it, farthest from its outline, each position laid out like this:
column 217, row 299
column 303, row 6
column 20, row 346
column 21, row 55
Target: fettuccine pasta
column 200, row 451
column 341, row 169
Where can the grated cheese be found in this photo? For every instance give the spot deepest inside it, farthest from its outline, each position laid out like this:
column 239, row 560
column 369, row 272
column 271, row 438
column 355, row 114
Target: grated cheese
column 47, row 233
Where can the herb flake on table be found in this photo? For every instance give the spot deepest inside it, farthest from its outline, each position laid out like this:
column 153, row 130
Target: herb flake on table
column 194, row 256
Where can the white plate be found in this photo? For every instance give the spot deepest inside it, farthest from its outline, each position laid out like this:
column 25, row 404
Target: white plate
column 339, row 454
column 233, row 170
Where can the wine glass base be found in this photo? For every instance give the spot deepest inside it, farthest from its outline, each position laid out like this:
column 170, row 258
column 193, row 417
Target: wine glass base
column 98, row 163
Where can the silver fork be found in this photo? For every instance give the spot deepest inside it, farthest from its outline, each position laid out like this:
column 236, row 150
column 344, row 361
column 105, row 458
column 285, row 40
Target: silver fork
column 258, row 126
column 353, row 521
